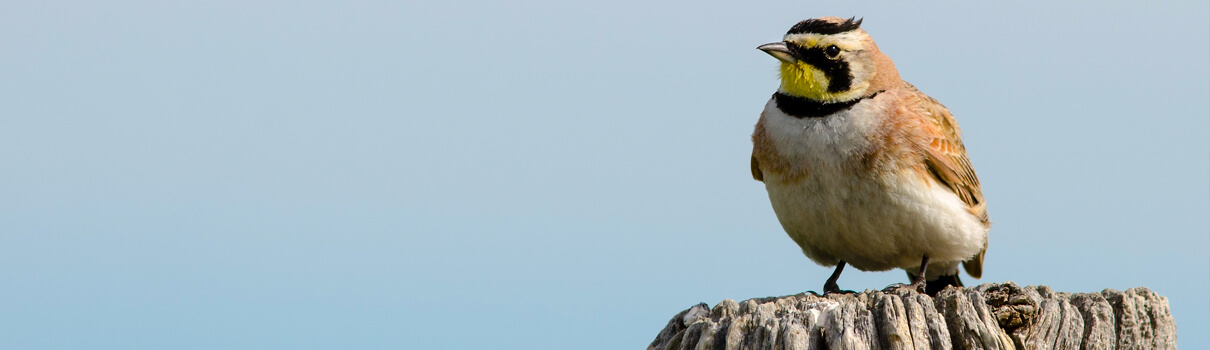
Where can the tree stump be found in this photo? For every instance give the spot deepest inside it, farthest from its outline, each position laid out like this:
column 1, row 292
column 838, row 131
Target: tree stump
column 990, row 316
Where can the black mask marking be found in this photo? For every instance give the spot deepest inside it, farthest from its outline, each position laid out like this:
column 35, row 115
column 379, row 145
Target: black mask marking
column 839, row 77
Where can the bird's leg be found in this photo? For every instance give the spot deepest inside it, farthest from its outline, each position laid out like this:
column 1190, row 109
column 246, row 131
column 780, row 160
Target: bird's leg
column 830, row 286
column 919, row 283
column 918, row 280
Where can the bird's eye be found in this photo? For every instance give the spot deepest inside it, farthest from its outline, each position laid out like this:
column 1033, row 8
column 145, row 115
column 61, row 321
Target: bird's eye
column 832, row 51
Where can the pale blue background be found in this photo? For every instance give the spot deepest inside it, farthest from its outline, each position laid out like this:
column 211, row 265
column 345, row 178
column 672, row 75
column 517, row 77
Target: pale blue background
column 442, row 174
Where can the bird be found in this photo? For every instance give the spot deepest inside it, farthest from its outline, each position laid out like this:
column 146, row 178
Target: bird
column 862, row 168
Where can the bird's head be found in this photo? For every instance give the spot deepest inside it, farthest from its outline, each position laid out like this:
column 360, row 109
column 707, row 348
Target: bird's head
column 830, row 60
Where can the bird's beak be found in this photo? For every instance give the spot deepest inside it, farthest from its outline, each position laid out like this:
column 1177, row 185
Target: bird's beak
column 779, row 51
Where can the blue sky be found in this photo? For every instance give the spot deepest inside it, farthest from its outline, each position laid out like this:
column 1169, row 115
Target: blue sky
column 537, row 174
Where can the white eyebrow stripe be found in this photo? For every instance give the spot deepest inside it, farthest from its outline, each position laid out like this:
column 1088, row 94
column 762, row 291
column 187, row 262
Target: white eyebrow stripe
column 848, row 40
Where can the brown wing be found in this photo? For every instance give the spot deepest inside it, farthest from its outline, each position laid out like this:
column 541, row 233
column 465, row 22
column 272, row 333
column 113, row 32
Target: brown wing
column 756, row 174
column 947, row 160
column 758, row 139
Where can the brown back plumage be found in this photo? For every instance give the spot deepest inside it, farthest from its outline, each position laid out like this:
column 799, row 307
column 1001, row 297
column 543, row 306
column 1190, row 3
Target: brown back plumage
column 947, row 160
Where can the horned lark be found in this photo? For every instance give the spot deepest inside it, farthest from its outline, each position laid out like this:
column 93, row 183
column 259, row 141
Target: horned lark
column 862, row 168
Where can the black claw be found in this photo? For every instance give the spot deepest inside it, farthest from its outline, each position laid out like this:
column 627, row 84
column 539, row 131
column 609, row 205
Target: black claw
column 834, row 289
column 830, row 286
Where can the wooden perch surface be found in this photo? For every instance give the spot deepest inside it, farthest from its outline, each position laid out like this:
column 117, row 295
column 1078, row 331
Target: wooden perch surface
column 990, row 316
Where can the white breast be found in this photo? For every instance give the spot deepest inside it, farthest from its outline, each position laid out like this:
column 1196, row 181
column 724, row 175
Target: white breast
column 870, row 221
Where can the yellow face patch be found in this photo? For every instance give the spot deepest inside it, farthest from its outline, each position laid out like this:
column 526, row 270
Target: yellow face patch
column 803, row 80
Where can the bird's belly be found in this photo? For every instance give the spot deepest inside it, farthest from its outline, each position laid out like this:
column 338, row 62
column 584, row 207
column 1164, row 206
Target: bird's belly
column 875, row 223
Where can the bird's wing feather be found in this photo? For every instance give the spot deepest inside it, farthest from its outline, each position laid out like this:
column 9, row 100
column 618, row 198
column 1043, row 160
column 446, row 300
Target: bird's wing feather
column 756, row 174
column 947, row 161
column 759, row 139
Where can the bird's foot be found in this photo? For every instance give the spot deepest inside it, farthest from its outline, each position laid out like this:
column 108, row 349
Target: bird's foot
column 832, row 288
column 918, row 287
column 837, row 291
